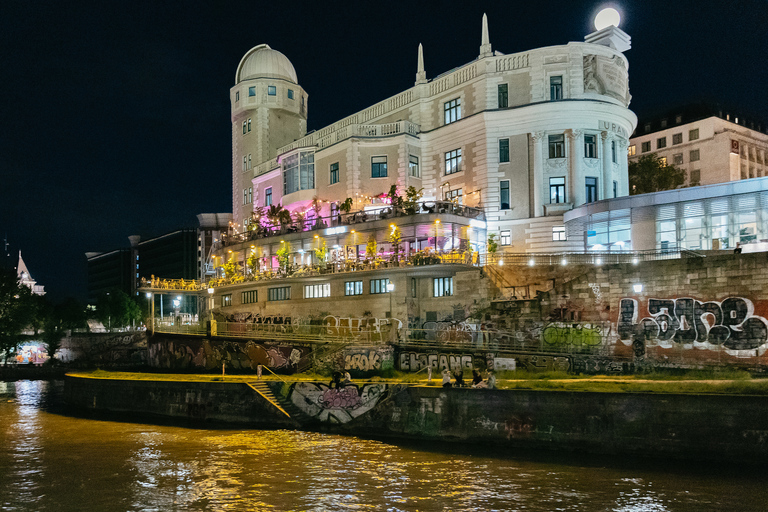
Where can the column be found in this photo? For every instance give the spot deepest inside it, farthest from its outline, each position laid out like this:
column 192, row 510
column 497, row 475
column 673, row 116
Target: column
column 538, row 173
column 607, row 175
column 575, row 154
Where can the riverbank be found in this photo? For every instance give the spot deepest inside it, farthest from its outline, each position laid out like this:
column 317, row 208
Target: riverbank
column 708, row 426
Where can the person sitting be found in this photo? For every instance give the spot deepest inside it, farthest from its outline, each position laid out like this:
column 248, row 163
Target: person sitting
column 476, row 378
column 459, row 378
column 336, row 381
column 347, row 378
column 491, row 381
column 446, row 379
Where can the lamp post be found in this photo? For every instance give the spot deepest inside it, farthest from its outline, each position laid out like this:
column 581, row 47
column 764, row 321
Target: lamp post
column 151, row 298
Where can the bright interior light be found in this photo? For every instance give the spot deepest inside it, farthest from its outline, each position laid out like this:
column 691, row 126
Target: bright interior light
column 638, row 288
column 564, row 262
column 634, row 261
column 210, row 290
column 390, row 287
column 606, row 18
column 531, row 262
column 501, row 262
column 598, row 261
column 149, row 295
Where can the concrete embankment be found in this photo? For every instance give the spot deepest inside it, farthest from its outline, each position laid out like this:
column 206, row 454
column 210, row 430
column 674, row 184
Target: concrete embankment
column 730, row 428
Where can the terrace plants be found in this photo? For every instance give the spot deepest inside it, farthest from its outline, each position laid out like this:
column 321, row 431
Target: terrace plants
column 346, row 206
column 283, row 256
column 493, row 245
column 371, row 248
column 412, row 198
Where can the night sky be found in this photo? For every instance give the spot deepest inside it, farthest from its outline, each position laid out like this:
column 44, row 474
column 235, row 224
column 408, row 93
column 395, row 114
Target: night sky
column 115, row 115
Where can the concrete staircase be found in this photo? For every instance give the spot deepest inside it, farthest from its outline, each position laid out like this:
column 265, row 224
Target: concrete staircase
column 284, row 406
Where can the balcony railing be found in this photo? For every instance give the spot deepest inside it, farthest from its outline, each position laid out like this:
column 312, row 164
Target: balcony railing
column 257, row 231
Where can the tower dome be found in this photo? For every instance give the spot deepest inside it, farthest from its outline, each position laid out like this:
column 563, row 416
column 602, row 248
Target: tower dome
column 263, row 62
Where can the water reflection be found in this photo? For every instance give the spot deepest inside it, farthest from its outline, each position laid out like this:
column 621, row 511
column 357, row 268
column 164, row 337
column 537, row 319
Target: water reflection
column 51, row 461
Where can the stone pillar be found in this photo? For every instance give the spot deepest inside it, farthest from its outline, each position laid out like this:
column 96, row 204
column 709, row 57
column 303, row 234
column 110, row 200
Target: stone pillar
column 538, row 173
column 623, row 171
column 607, row 174
column 575, row 153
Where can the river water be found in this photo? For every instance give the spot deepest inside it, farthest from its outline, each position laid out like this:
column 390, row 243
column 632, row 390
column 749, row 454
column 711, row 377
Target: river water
column 52, row 460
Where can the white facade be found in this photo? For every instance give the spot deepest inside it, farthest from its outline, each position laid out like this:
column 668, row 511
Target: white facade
column 711, row 150
column 526, row 137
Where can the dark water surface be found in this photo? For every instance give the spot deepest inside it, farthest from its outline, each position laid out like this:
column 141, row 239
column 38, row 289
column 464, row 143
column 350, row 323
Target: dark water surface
column 51, row 460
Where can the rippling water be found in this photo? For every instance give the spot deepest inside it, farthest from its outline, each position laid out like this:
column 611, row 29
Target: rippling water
column 50, row 460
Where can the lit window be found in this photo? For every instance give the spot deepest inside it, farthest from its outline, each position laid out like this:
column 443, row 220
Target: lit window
column 378, row 167
column 413, row 166
column 271, row 90
column 334, row 173
column 591, row 189
column 317, row 291
column 632, row 150
column 442, row 286
column 452, row 111
column 290, row 94
column 693, row 134
column 558, row 234
column 645, row 146
column 504, row 195
column 677, row 138
column 250, row 297
column 252, row 91
column 353, row 288
column 282, row 293
column 677, row 159
column 556, row 88
column 453, row 161
column 268, row 197
column 298, row 172
column 661, row 142
column 503, row 150
column 455, row 195
column 226, row 300
column 503, row 96
column 663, row 160
column 379, row 286
column 506, row 238
column 694, row 156
column 556, row 190
column 557, row 146
column 590, row 146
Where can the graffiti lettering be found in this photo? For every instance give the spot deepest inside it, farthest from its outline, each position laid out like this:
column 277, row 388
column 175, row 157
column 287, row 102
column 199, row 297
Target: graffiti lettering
column 415, row 361
column 730, row 323
column 335, row 405
column 580, row 335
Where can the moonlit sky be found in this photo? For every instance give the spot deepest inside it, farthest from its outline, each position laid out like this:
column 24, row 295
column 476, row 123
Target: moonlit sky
column 115, row 115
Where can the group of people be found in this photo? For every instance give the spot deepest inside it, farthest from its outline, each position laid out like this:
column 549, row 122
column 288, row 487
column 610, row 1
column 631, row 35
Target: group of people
column 336, row 381
column 477, row 379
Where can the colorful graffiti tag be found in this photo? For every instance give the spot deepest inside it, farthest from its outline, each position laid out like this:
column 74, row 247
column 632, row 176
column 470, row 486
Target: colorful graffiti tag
column 415, row 361
column 335, row 405
column 730, row 323
column 203, row 354
column 368, row 359
column 579, row 335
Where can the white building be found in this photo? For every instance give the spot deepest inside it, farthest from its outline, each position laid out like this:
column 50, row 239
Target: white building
column 522, row 137
column 712, row 144
column 25, row 278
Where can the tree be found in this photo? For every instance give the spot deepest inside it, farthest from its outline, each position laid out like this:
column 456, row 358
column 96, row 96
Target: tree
column 371, row 248
column 346, row 206
column 412, row 198
column 15, row 311
column 493, row 245
column 117, row 309
column 321, row 253
column 652, row 174
column 395, row 238
column 284, row 255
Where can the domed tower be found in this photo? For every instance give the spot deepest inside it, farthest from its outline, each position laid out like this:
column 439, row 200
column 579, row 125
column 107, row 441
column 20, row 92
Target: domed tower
column 269, row 110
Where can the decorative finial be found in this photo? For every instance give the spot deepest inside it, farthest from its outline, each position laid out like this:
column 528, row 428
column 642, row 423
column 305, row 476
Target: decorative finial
column 485, row 43
column 421, row 75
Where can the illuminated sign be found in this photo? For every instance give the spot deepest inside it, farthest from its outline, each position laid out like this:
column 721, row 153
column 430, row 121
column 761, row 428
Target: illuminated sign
column 335, row 231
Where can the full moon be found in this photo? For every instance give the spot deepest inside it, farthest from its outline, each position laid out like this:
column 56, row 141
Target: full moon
column 606, row 18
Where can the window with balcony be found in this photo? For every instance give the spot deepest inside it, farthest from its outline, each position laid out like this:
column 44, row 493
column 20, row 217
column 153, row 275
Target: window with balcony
column 455, row 195
column 413, row 166
column 280, row 293
column 298, row 172
column 591, row 189
column 453, row 161
column 557, row 146
column 452, row 110
column 504, row 195
column 250, row 297
column 442, row 286
column 353, row 288
column 379, row 167
column 379, row 286
column 503, row 96
column 590, row 146
column 317, row 291
column 503, row 150
column 556, row 190
column 555, row 88
column 334, row 173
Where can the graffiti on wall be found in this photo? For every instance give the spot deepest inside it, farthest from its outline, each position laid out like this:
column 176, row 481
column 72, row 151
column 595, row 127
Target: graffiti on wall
column 335, row 405
column 336, row 325
column 104, row 348
column 204, row 354
column 415, row 361
column 365, row 359
column 574, row 334
column 543, row 363
column 730, row 323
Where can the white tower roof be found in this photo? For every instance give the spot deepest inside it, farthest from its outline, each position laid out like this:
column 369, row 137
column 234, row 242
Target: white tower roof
column 263, row 62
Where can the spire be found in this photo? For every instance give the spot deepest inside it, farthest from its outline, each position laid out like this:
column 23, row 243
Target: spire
column 421, row 75
column 485, row 43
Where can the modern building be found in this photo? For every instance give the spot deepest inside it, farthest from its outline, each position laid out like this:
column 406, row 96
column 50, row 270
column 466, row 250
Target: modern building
column 711, row 143
column 503, row 145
